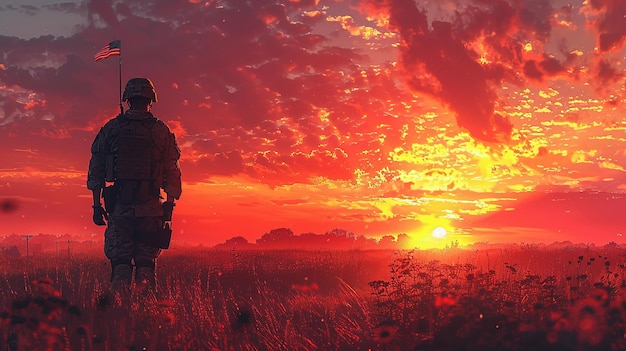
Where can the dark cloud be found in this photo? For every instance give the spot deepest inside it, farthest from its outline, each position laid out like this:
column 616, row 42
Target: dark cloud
column 607, row 74
column 535, row 15
column 547, row 67
column 611, row 23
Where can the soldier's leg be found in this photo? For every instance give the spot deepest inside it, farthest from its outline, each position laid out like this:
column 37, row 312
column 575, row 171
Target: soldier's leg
column 145, row 275
column 146, row 254
column 118, row 248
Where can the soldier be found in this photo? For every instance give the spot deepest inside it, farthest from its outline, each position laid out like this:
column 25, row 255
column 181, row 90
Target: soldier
column 133, row 157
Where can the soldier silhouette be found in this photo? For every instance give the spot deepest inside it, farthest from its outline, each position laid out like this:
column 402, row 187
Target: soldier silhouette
column 133, row 157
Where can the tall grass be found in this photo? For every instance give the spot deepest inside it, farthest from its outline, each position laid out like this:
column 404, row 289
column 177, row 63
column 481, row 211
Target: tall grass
column 508, row 299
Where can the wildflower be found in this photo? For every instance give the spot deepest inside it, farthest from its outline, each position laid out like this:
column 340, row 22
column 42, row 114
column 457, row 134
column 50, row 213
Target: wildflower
column 590, row 330
column 385, row 331
column 588, row 320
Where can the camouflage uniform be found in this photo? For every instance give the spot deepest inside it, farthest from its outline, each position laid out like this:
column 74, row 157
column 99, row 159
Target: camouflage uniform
column 139, row 154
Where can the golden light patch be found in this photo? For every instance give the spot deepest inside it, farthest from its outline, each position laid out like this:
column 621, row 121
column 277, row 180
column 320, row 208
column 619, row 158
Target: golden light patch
column 578, row 157
column 365, row 32
column 528, row 47
column 550, row 93
column 611, row 165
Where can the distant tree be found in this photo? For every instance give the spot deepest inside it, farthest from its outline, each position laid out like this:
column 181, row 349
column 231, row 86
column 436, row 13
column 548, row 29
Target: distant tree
column 237, row 242
column 276, row 237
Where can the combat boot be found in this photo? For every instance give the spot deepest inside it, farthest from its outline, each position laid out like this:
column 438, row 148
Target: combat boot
column 145, row 277
column 121, row 275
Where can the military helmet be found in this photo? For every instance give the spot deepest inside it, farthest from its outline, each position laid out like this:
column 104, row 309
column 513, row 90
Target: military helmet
column 139, row 87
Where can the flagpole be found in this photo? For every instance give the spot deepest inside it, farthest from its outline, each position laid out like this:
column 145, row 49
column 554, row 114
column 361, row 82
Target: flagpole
column 120, row 81
column 113, row 49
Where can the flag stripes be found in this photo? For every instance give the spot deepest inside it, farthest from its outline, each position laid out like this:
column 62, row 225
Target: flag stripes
column 112, row 49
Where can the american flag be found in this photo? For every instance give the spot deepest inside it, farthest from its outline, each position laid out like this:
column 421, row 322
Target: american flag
column 112, row 49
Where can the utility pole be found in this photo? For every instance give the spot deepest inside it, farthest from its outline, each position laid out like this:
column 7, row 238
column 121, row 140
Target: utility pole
column 27, row 237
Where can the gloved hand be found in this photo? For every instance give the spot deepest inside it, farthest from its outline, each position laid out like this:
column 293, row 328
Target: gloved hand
column 168, row 209
column 99, row 215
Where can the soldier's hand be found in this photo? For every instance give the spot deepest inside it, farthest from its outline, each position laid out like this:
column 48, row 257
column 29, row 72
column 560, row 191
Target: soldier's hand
column 99, row 215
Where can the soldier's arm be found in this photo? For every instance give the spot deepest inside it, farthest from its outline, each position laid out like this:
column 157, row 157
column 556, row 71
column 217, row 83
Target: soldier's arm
column 96, row 194
column 172, row 177
column 97, row 168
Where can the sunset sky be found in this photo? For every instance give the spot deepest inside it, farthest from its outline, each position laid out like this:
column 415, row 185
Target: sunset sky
column 498, row 120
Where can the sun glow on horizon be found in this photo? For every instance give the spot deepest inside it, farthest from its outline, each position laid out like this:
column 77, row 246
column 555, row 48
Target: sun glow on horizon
column 439, row 233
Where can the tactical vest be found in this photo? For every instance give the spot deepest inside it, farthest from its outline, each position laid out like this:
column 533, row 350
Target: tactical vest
column 133, row 162
column 134, row 150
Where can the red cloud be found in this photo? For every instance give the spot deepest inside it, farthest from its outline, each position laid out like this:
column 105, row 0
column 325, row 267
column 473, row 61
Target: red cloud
column 258, row 77
column 437, row 61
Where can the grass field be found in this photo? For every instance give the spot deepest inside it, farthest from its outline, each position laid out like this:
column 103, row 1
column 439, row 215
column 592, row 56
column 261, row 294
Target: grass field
column 516, row 298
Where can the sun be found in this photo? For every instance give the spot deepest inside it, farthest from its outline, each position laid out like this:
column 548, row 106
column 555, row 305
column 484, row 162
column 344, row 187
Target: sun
column 439, row 233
